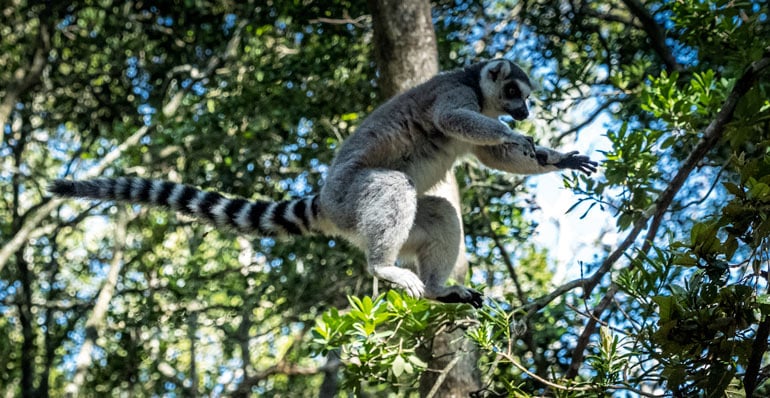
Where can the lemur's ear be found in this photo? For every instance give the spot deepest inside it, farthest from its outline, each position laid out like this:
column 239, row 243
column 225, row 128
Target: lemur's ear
column 494, row 70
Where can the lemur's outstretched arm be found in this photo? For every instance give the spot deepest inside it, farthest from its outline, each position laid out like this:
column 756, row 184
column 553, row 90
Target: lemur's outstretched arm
column 458, row 116
column 509, row 157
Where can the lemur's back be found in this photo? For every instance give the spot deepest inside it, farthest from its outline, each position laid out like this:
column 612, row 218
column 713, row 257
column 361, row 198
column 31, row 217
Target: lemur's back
column 402, row 135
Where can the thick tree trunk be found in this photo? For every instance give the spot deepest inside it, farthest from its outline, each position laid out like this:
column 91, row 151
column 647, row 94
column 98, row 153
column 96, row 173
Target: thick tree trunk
column 404, row 44
column 406, row 54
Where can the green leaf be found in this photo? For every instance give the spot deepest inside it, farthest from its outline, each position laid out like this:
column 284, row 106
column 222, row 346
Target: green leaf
column 664, row 307
column 734, row 189
column 685, row 259
column 417, row 361
column 399, row 366
column 763, row 300
column 759, row 191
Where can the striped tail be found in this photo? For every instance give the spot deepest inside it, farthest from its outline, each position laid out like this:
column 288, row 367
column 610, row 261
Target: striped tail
column 292, row 217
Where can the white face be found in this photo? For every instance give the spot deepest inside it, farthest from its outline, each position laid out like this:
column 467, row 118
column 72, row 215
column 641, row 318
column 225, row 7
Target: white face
column 505, row 88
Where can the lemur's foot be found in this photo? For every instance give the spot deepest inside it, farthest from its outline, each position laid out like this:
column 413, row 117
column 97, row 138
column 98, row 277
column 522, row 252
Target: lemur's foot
column 404, row 278
column 463, row 295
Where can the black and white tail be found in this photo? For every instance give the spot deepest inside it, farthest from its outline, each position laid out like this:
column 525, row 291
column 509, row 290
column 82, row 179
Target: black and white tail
column 292, row 217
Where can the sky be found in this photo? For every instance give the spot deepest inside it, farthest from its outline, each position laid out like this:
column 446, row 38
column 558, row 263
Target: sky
column 570, row 238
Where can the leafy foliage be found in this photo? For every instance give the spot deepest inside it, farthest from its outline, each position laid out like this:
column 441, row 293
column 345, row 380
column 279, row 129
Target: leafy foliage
column 253, row 98
column 378, row 339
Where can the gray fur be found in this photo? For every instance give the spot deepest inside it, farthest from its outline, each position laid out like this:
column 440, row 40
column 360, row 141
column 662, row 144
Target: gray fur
column 375, row 192
column 376, row 186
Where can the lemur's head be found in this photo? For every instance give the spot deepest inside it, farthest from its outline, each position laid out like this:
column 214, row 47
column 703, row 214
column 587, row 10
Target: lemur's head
column 505, row 88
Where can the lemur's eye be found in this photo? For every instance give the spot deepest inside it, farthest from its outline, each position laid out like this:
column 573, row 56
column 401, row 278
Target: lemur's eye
column 512, row 91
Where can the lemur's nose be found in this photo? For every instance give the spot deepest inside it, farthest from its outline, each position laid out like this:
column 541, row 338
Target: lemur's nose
column 520, row 113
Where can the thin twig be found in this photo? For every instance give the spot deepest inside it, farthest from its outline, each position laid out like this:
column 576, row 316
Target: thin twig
column 541, row 302
column 578, row 353
column 601, row 108
column 540, row 379
column 358, row 21
column 708, row 193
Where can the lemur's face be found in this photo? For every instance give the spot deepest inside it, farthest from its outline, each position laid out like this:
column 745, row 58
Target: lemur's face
column 505, row 88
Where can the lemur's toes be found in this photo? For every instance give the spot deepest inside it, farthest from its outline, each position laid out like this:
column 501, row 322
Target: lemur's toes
column 472, row 297
column 477, row 299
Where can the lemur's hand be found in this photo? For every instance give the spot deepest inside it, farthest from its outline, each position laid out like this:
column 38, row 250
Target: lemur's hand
column 574, row 160
column 571, row 160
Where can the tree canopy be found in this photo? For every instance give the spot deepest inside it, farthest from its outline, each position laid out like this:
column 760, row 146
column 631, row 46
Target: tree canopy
column 667, row 296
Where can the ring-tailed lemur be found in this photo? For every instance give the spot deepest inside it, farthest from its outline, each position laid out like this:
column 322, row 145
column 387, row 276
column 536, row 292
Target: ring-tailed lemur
column 374, row 194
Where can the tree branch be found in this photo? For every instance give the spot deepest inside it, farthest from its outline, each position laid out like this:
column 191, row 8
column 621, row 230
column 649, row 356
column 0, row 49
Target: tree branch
column 359, row 22
column 601, row 108
column 32, row 73
column 503, row 251
column 711, row 137
column 752, row 377
column 442, row 376
column 172, row 105
column 655, row 33
column 541, row 302
column 539, row 379
column 32, row 223
column 285, row 368
column 578, row 354
column 758, row 349
column 95, row 324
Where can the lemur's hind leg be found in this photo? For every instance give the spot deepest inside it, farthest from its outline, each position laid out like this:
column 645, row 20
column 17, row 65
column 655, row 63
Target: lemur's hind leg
column 379, row 206
column 433, row 241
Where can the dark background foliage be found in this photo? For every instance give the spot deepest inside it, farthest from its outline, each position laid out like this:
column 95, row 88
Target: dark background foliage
column 252, row 98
